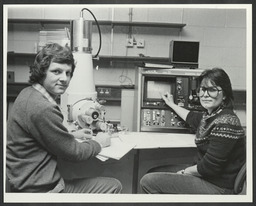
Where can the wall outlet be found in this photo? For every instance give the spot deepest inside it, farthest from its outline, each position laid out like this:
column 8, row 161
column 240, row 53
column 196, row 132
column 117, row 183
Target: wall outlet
column 111, row 93
column 104, row 91
column 129, row 42
column 140, row 43
column 10, row 77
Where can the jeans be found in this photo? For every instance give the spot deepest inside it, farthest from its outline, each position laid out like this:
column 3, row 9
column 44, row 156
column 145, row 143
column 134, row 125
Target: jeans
column 164, row 180
column 93, row 185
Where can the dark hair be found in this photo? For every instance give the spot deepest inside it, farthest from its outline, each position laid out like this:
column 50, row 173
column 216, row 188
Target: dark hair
column 218, row 77
column 51, row 52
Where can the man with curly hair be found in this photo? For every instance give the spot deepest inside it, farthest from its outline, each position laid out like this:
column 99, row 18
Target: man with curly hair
column 36, row 136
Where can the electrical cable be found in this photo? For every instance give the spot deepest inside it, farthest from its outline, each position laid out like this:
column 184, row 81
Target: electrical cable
column 98, row 30
column 123, row 77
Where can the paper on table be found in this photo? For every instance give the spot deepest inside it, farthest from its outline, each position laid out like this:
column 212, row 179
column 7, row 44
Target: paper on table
column 103, row 159
column 116, row 150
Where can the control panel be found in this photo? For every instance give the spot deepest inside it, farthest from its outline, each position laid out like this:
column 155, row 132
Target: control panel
column 154, row 114
column 181, row 95
column 155, row 119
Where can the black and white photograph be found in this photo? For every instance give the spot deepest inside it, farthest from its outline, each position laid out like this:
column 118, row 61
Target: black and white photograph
column 127, row 103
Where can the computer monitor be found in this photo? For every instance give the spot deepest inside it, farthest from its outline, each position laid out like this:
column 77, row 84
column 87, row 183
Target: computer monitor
column 184, row 52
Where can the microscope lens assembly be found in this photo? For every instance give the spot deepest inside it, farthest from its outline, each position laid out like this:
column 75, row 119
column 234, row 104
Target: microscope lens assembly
column 79, row 102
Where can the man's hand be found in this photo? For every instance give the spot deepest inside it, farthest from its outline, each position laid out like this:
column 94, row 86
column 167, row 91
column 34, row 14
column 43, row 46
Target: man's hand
column 82, row 135
column 104, row 139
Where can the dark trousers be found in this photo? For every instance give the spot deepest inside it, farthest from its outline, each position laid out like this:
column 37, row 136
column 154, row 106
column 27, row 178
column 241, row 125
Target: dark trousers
column 93, row 185
column 165, row 180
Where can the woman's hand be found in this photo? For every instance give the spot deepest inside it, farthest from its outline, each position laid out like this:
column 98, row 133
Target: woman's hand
column 192, row 170
column 181, row 172
column 182, row 112
column 82, row 135
column 168, row 98
column 103, row 138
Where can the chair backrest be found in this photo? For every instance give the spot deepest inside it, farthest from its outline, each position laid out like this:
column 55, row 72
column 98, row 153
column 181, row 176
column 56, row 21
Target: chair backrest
column 240, row 180
column 7, row 185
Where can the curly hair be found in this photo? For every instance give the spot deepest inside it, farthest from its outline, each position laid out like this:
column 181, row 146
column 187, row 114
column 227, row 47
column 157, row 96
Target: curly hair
column 51, row 52
column 218, row 77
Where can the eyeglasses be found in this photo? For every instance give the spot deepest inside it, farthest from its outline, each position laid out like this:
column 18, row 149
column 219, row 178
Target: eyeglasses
column 211, row 91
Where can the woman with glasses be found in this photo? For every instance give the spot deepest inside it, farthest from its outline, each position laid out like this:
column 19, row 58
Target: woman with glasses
column 220, row 141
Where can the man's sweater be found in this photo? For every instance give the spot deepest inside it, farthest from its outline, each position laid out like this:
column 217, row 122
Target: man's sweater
column 220, row 140
column 36, row 137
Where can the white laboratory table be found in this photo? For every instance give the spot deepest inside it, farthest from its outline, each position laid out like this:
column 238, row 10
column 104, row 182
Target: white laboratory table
column 157, row 146
column 151, row 150
column 151, row 140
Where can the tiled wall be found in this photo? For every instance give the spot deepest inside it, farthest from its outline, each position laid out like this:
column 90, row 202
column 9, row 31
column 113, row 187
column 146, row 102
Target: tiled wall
column 221, row 32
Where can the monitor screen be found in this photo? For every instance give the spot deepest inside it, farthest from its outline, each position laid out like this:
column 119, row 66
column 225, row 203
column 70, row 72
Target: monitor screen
column 185, row 52
column 155, row 89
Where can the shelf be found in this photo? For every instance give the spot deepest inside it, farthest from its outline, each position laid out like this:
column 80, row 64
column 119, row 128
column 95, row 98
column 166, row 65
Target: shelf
column 14, row 54
column 147, row 24
column 39, row 21
column 137, row 59
column 112, row 23
column 130, row 59
column 14, row 88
